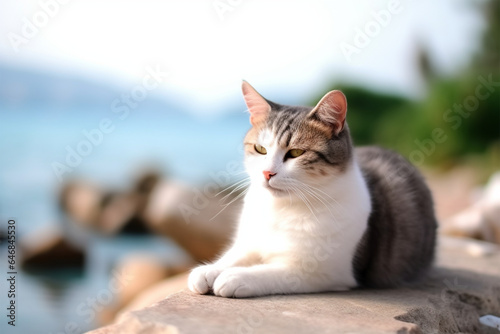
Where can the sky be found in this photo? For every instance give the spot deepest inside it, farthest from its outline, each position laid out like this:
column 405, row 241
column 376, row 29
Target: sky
column 289, row 48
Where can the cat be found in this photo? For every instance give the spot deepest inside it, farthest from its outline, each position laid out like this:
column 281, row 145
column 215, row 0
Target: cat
column 320, row 215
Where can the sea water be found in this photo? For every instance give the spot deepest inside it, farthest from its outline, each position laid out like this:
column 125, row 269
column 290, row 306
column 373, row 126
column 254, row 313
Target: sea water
column 32, row 139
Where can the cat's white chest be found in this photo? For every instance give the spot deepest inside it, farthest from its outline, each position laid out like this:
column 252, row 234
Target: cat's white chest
column 278, row 232
column 318, row 240
column 262, row 230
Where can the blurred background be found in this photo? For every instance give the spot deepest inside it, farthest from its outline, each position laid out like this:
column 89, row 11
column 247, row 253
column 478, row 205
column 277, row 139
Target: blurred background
column 120, row 121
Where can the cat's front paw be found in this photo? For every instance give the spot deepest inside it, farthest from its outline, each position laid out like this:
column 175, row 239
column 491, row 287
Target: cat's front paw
column 234, row 282
column 202, row 278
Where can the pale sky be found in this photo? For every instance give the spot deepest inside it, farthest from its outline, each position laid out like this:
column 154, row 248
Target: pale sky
column 278, row 46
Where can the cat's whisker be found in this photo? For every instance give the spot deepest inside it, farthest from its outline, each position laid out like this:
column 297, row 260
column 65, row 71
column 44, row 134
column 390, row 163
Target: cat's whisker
column 321, row 200
column 312, row 191
column 240, row 172
column 241, row 186
column 237, row 197
column 318, row 190
column 311, row 207
column 320, row 193
column 233, row 185
column 290, row 203
column 316, row 193
column 226, row 205
column 304, row 199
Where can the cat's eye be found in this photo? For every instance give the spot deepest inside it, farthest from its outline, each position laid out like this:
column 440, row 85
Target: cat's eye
column 294, row 153
column 260, row 149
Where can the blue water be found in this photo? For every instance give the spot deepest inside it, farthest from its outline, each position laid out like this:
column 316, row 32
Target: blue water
column 64, row 302
column 32, row 139
column 185, row 147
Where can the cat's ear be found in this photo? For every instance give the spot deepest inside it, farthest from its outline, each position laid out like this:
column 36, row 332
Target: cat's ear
column 257, row 105
column 331, row 110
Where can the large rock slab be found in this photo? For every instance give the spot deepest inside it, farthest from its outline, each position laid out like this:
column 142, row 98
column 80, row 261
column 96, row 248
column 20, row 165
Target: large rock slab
column 464, row 285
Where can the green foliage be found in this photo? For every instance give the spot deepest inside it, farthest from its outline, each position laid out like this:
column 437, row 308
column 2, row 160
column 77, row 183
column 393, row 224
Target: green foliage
column 406, row 125
column 451, row 124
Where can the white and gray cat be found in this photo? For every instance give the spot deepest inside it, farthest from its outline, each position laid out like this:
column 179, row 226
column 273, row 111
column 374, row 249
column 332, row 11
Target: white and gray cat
column 320, row 215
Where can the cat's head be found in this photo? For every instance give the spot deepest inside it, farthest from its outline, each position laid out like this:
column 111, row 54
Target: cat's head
column 289, row 146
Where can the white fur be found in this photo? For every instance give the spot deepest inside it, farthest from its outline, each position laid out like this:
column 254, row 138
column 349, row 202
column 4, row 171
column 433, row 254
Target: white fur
column 287, row 242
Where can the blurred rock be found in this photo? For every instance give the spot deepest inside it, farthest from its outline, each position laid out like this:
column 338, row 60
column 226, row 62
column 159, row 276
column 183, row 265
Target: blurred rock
column 482, row 219
column 195, row 219
column 200, row 236
column 119, row 214
column 200, row 223
column 452, row 191
column 156, row 293
column 145, row 271
column 3, row 237
column 141, row 194
column 473, row 247
column 48, row 250
column 80, row 201
column 108, row 212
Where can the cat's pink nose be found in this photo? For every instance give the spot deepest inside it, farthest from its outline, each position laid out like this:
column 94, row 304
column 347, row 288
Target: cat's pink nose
column 268, row 174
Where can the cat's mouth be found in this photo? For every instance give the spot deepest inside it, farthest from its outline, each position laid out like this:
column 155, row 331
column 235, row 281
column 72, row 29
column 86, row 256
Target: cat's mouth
column 275, row 191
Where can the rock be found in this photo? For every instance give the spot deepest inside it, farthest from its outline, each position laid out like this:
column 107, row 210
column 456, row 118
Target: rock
column 108, row 212
column 198, row 222
column 80, row 202
column 491, row 321
column 482, row 219
column 3, row 237
column 146, row 271
column 156, row 293
column 196, row 219
column 452, row 190
column 459, row 290
column 48, row 250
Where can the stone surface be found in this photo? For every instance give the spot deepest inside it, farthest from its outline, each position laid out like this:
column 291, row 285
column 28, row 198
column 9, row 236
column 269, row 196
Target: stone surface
column 155, row 293
column 147, row 272
column 463, row 287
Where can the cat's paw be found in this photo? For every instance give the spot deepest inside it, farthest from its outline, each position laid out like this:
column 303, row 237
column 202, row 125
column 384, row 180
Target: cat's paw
column 234, row 282
column 201, row 279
